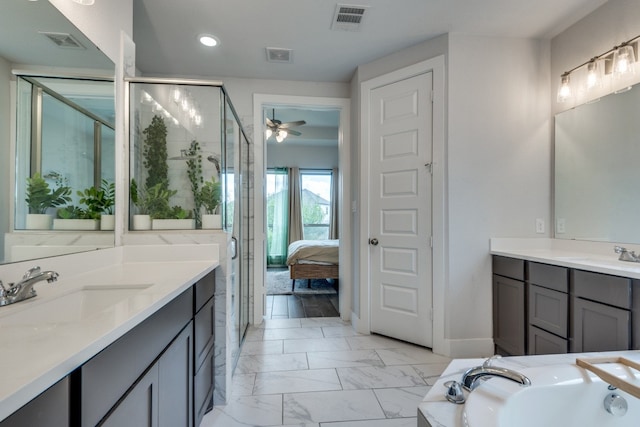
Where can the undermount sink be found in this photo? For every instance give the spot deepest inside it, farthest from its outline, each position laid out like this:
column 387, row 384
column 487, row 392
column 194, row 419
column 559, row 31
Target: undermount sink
column 74, row 306
column 561, row 395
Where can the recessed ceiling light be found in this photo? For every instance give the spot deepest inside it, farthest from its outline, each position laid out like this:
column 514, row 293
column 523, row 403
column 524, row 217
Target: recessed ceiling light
column 208, row 40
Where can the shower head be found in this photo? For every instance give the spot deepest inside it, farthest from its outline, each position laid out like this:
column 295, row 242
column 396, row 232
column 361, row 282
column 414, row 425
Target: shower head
column 216, row 162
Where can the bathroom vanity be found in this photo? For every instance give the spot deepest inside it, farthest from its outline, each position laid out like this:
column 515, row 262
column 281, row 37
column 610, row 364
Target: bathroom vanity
column 129, row 343
column 556, row 299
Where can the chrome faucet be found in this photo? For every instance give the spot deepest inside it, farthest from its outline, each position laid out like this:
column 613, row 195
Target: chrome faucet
column 470, row 379
column 625, row 255
column 24, row 288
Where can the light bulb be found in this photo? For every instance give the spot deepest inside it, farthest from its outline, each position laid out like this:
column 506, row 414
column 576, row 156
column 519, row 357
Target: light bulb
column 279, row 137
column 564, row 91
column 593, row 75
column 283, row 133
column 269, row 132
column 176, row 95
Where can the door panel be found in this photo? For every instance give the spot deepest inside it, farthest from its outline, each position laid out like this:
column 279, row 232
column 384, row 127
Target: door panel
column 400, row 210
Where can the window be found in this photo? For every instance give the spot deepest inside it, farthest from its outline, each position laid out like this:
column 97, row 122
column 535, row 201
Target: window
column 316, row 203
column 277, row 190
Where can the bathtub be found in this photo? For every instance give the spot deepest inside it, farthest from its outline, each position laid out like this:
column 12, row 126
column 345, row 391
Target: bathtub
column 560, row 395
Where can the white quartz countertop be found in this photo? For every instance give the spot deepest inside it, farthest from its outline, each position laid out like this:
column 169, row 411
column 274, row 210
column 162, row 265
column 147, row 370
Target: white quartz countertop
column 440, row 412
column 39, row 344
column 590, row 256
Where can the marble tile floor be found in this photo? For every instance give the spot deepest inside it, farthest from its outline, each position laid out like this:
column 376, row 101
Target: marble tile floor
column 318, row 372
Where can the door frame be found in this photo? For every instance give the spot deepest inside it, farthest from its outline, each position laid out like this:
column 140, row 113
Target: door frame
column 344, row 185
column 435, row 65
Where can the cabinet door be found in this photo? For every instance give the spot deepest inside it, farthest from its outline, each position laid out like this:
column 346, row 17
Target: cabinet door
column 50, row 409
column 542, row 342
column 175, row 384
column 599, row 327
column 548, row 310
column 139, row 407
column 509, row 315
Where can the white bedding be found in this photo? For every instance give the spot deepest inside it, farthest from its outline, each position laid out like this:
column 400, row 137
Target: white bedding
column 313, row 251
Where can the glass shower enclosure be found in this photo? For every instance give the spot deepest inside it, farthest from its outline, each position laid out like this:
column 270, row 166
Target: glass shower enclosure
column 189, row 167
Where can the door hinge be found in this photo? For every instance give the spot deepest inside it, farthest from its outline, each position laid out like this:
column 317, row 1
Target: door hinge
column 429, row 166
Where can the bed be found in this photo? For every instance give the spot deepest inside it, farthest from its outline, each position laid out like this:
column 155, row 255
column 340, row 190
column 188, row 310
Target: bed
column 313, row 259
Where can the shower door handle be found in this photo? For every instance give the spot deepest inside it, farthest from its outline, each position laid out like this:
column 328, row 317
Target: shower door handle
column 234, row 247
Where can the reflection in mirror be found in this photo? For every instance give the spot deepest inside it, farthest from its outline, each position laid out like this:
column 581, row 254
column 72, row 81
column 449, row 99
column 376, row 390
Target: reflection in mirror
column 36, row 36
column 596, row 163
column 65, row 158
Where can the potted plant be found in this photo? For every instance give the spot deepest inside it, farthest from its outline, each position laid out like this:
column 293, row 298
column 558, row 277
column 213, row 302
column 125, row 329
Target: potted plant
column 211, row 195
column 176, row 218
column 100, row 203
column 141, row 220
column 75, row 218
column 40, row 198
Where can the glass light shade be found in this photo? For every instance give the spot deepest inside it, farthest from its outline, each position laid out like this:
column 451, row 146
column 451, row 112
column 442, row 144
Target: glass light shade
column 623, row 61
column 594, row 75
column 564, row 91
column 269, row 132
column 280, row 136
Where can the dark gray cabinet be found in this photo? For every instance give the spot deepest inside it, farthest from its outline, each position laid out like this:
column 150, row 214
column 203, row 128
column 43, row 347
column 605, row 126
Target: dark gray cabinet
column 139, row 407
column 509, row 331
column 601, row 312
column 203, row 369
column 50, row 409
column 548, row 308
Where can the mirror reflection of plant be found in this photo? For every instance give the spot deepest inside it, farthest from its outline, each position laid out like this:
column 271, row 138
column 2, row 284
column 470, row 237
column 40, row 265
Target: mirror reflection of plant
column 41, row 197
column 139, row 198
column 211, row 195
column 194, row 172
column 99, row 200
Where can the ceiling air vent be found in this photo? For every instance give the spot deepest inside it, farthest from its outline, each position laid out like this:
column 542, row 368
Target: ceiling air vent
column 348, row 17
column 63, row 40
column 277, row 54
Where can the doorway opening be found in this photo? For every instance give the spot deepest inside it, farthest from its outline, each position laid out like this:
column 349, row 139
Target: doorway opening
column 303, row 169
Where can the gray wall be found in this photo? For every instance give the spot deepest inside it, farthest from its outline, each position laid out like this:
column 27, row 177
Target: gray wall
column 280, row 155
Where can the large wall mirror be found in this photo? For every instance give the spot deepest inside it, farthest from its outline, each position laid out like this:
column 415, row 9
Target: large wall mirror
column 597, row 187
column 57, row 131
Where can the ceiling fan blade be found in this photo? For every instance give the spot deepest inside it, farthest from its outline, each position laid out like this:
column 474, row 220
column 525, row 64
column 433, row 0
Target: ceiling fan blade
column 270, row 123
column 292, row 124
column 293, row 132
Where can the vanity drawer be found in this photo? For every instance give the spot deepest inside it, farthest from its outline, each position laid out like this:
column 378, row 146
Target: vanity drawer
column 203, row 389
column 549, row 276
column 508, row 267
column 203, row 332
column 204, row 290
column 542, row 342
column 605, row 289
column 549, row 310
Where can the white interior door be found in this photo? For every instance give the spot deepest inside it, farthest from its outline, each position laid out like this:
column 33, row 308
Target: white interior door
column 400, row 210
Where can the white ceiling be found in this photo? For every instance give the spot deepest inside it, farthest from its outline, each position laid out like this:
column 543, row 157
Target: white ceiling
column 165, row 32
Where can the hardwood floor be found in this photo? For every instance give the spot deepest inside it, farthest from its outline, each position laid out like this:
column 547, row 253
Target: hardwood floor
column 298, row 306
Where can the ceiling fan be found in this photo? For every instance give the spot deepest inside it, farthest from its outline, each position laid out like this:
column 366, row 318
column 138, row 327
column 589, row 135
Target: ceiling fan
column 281, row 130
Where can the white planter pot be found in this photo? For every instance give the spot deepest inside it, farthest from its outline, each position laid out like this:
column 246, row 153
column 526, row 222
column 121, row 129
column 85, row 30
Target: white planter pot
column 211, row 222
column 141, row 222
column 39, row 222
column 75, row 224
column 107, row 222
column 173, row 224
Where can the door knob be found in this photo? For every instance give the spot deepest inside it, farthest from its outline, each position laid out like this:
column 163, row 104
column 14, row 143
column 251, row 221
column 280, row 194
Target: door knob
column 373, row 241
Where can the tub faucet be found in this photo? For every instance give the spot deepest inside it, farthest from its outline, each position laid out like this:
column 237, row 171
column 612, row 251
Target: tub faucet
column 24, row 288
column 625, row 255
column 470, row 379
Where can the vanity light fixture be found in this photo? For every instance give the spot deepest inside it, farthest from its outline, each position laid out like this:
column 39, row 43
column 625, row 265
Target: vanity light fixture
column 208, row 40
column 617, row 62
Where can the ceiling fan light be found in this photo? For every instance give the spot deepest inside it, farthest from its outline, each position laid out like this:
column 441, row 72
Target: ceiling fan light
column 269, row 132
column 280, row 137
column 283, row 133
